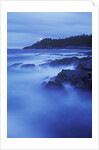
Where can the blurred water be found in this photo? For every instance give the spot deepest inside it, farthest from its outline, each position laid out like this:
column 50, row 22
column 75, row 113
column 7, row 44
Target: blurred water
column 33, row 112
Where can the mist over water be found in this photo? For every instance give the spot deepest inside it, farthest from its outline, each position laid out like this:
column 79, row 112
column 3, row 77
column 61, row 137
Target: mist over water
column 34, row 112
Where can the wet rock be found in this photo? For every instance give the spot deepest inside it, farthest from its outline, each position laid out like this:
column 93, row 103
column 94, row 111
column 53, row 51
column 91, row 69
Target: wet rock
column 16, row 65
column 88, row 53
column 81, row 77
column 54, row 86
column 64, row 61
column 27, row 66
column 86, row 59
column 85, row 64
column 81, row 63
column 78, row 78
column 66, row 76
column 69, row 61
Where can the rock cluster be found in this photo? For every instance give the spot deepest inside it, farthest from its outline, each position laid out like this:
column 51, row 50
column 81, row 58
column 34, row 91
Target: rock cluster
column 81, row 77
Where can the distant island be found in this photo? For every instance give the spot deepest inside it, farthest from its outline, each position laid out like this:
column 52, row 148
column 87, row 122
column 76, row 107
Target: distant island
column 80, row 41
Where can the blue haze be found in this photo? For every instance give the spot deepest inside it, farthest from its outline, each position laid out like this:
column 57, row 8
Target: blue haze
column 33, row 112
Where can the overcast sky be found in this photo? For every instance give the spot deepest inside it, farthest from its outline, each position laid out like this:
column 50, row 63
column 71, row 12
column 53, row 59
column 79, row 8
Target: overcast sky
column 24, row 28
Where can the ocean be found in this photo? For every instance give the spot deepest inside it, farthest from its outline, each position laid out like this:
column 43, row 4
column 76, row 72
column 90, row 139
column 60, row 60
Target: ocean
column 33, row 112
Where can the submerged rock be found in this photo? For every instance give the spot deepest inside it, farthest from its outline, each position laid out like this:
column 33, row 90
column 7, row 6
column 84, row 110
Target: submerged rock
column 16, row 65
column 27, row 66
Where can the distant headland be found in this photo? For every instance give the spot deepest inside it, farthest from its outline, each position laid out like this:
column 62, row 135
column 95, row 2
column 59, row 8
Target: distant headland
column 80, row 41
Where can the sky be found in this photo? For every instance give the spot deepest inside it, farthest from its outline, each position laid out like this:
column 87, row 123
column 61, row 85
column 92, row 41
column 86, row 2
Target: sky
column 26, row 28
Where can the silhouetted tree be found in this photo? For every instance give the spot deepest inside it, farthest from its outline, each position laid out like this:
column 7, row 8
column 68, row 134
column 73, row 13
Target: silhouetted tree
column 48, row 43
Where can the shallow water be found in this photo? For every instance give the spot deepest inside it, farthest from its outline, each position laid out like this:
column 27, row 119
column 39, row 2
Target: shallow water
column 33, row 112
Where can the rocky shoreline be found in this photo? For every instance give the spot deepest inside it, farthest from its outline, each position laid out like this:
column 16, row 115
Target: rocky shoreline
column 80, row 41
column 80, row 78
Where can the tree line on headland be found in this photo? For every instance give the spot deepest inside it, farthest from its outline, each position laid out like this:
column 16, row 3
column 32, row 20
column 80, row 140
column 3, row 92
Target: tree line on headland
column 82, row 41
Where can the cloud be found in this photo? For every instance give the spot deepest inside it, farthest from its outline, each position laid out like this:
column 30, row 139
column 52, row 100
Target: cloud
column 25, row 28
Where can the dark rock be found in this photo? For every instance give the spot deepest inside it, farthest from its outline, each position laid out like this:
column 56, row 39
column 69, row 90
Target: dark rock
column 72, row 60
column 66, row 76
column 16, row 65
column 88, row 53
column 27, row 66
column 54, row 86
column 85, row 64
column 64, row 61
column 78, row 78
column 81, row 63
column 81, row 77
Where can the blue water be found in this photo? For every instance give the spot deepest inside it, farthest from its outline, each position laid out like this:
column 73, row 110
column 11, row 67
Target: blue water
column 33, row 112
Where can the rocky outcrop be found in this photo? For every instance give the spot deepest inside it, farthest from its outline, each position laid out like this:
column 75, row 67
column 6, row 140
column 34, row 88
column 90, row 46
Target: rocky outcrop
column 81, row 77
column 85, row 64
column 73, row 60
column 78, row 78
column 54, row 86
column 64, row 61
